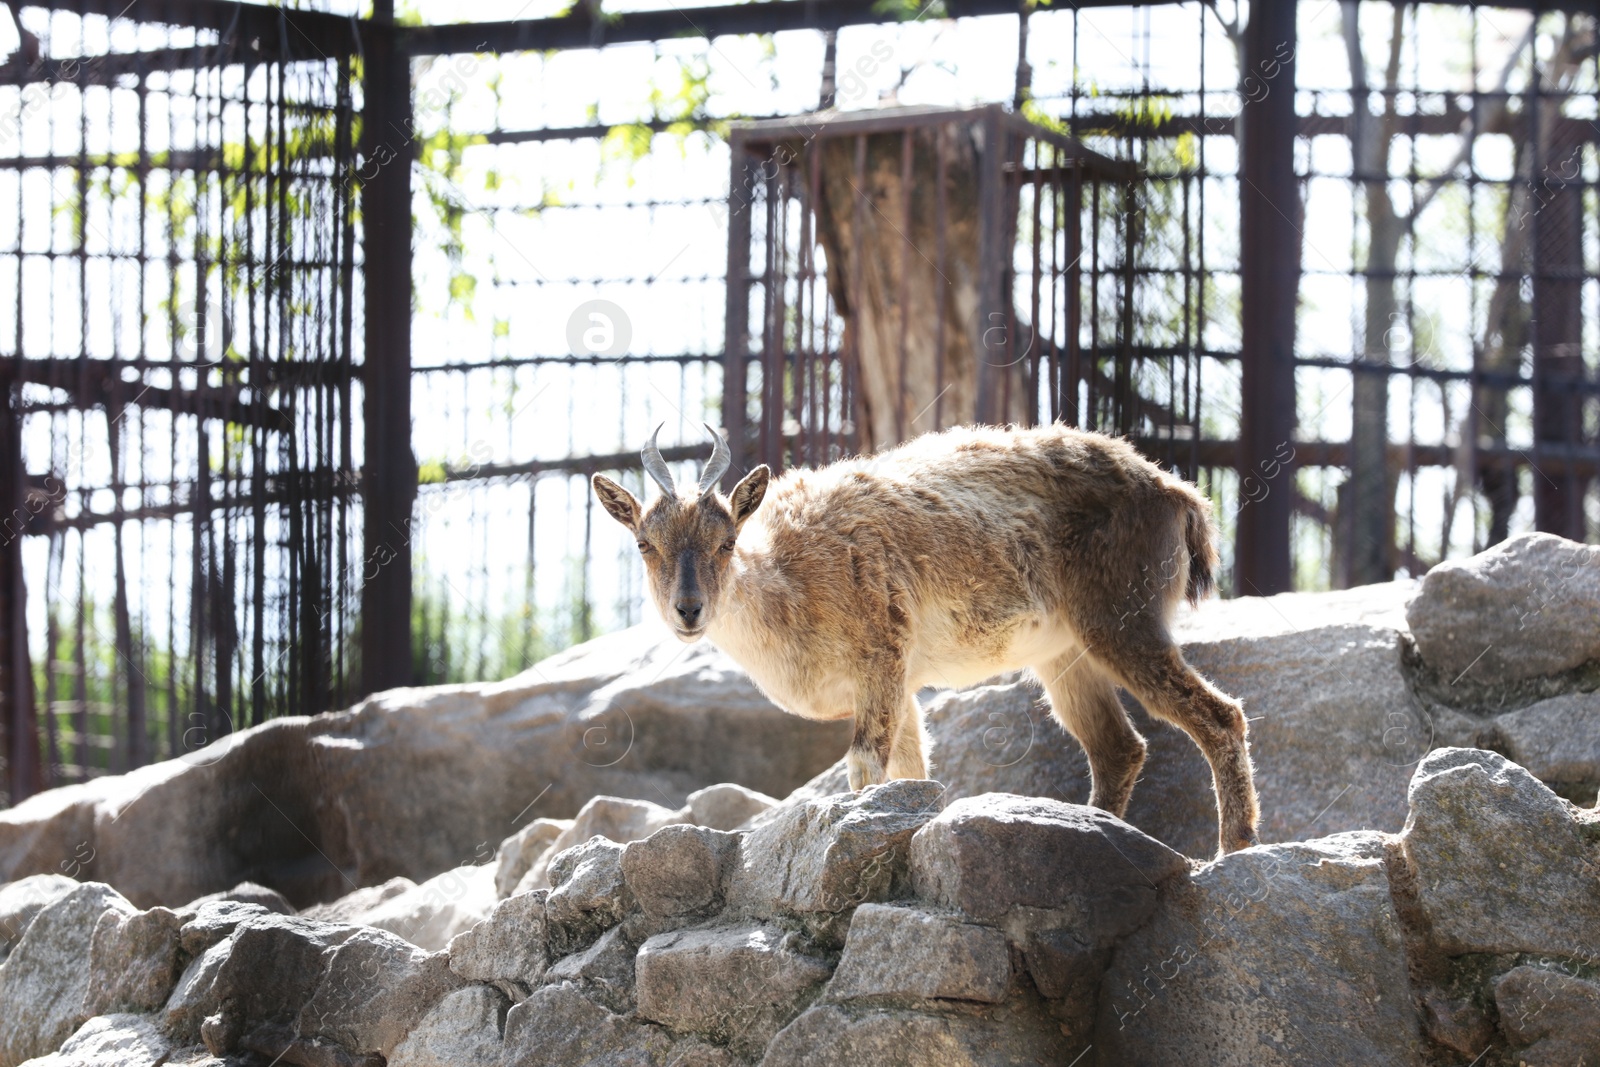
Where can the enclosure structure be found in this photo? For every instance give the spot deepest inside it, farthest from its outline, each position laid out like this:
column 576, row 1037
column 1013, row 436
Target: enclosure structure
column 897, row 272
column 1365, row 314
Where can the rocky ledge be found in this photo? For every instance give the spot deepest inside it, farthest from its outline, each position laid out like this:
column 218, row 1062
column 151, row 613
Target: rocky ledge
column 1427, row 757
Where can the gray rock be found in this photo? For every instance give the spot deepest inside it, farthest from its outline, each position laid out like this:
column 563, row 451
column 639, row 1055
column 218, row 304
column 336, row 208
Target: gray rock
column 828, row 855
column 249, row 893
column 111, row 1041
column 604, row 970
column 134, row 961
column 416, row 781
column 848, row 1035
column 680, row 871
column 213, row 921
column 46, row 977
column 1500, row 861
column 21, row 900
column 1556, row 740
column 559, row 1026
column 271, row 966
column 590, row 895
column 1335, row 729
column 994, row 855
column 509, row 946
column 522, row 849
column 438, row 909
column 358, row 902
column 613, row 818
column 905, row 952
column 463, row 1028
column 1280, row 954
column 734, row 984
column 374, row 988
column 1526, row 607
column 727, row 806
column 1552, row 1019
column 194, row 996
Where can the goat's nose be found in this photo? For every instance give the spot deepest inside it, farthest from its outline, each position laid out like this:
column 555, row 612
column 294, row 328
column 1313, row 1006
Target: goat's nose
column 689, row 610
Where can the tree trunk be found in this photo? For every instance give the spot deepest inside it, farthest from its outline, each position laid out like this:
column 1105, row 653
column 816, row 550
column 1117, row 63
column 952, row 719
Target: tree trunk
column 898, row 218
column 1366, row 500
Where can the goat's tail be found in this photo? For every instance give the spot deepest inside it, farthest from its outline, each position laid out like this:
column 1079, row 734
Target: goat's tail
column 1199, row 536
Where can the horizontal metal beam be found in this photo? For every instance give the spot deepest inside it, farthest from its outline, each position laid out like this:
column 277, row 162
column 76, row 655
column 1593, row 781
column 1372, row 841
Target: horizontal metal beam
column 274, row 31
column 571, row 465
column 271, row 31
column 1224, row 455
column 579, row 30
column 97, row 383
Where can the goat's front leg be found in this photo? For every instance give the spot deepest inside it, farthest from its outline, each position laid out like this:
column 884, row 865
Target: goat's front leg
column 881, row 705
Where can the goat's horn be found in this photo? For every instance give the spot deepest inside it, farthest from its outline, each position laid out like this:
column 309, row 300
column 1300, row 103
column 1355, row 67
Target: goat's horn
column 719, row 462
column 656, row 467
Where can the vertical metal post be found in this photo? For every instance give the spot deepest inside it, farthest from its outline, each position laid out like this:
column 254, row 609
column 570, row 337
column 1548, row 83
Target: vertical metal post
column 1269, row 282
column 389, row 483
column 17, row 712
column 994, row 250
column 736, row 333
column 1558, row 329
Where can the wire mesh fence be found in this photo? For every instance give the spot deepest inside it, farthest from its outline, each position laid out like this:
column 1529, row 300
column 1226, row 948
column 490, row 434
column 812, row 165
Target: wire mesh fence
column 184, row 358
column 180, row 242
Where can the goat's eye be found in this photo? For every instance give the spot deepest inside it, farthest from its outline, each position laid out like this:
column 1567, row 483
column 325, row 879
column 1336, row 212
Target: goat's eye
column 727, row 546
column 644, row 546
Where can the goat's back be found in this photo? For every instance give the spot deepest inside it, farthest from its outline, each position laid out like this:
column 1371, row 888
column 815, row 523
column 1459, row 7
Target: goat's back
column 1019, row 515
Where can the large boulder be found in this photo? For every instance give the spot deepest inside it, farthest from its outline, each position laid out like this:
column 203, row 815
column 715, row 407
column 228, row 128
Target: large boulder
column 1276, row 955
column 1501, row 864
column 1335, row 728
column 44, row 981
column 414, row 781
column 1528, row 606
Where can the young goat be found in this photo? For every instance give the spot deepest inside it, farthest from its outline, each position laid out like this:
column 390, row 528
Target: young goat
column 945, row 561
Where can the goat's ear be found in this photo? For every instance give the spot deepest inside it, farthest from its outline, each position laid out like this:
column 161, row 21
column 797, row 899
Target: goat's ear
column 748, row 494
column 617, row 501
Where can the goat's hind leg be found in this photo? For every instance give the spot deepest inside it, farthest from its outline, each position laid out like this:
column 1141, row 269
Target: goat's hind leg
column 1085, row 701
column 908, row 755
column 1143, row 657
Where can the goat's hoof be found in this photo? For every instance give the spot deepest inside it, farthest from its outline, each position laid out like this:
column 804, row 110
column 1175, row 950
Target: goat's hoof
column 1242, row 841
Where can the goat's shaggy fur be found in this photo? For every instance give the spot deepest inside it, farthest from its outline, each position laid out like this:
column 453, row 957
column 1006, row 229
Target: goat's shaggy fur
column 945, row 561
